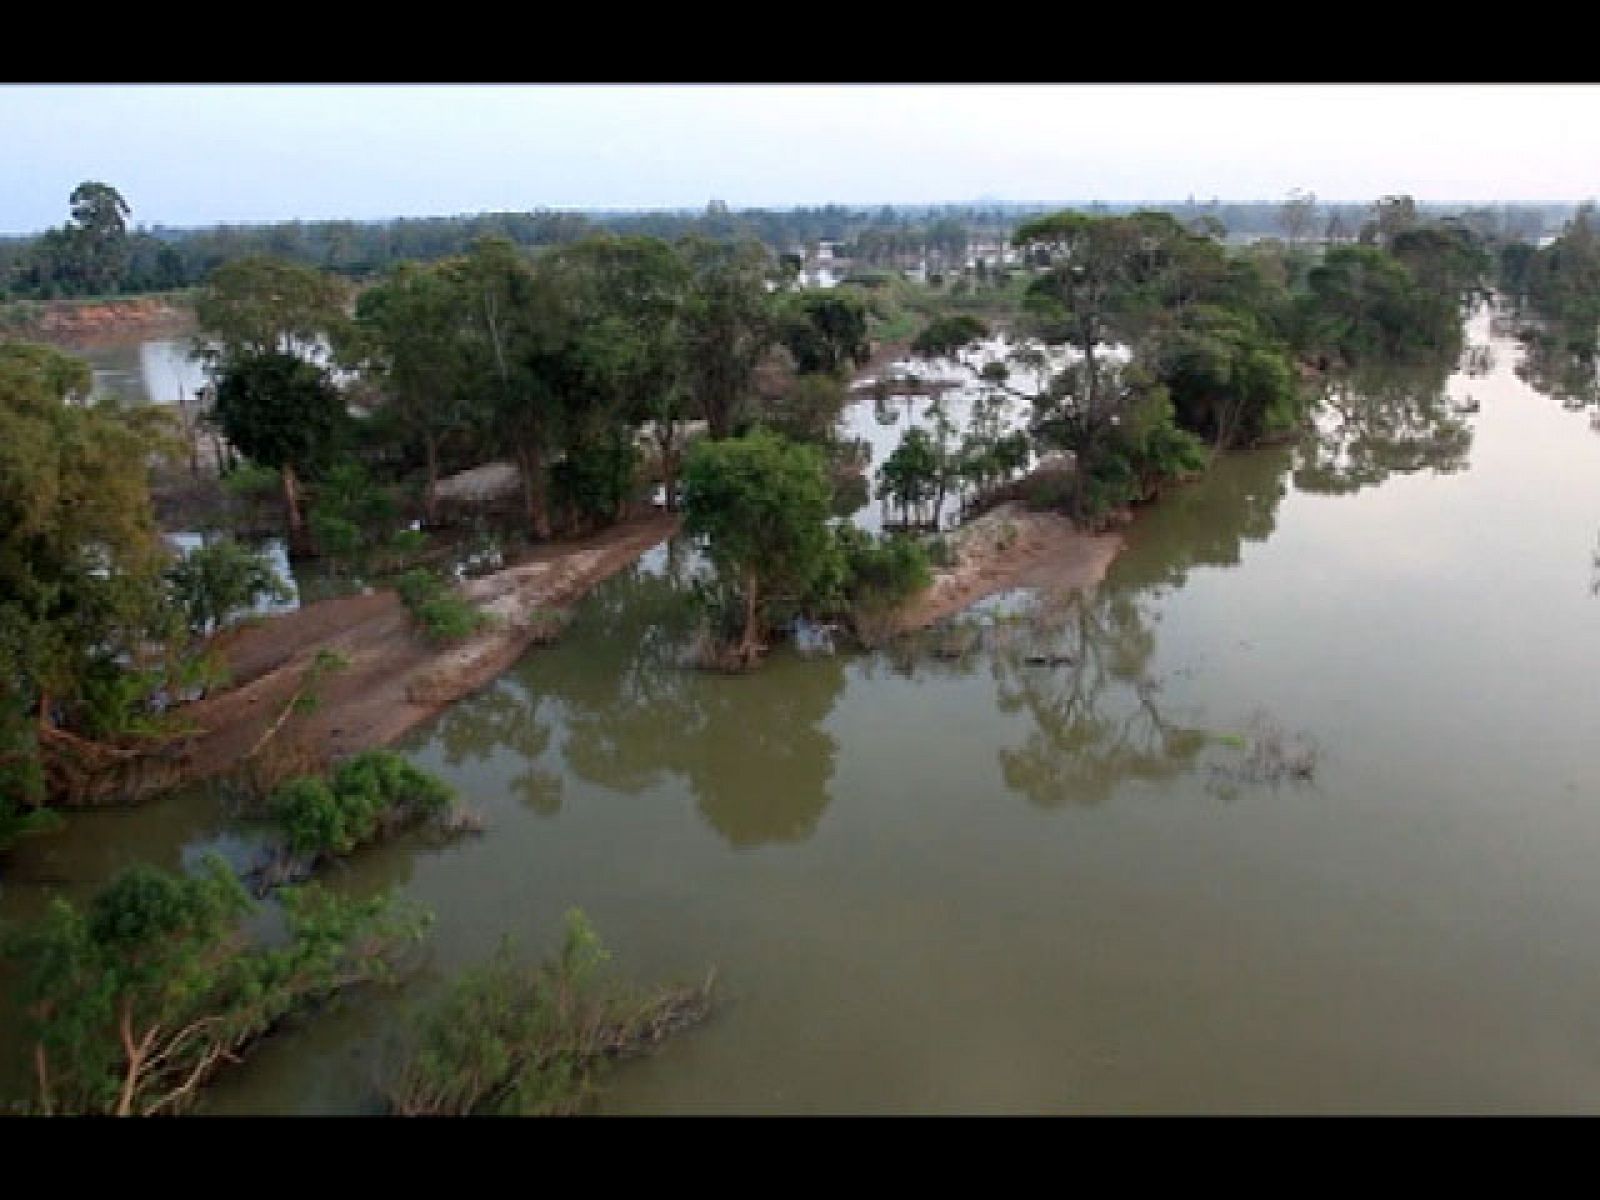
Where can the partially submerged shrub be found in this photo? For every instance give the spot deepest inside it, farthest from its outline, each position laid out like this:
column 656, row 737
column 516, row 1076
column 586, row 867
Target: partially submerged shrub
column 136, row 1002
column 367, row 796
column 514, row 1040
column 883, row 572
column 1270, row 755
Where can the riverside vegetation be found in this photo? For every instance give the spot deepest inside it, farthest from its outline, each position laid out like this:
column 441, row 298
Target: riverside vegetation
column 599, row 368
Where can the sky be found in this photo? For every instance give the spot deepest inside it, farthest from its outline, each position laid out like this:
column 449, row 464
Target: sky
column 187, row 155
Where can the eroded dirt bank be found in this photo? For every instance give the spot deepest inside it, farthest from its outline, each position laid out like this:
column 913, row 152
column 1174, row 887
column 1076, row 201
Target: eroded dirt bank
column 80, row 323
column 392, row 678
column 1009, row 547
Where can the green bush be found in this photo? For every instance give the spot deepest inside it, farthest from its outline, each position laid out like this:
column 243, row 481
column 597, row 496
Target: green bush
column 135, row 1003
column 215, row 581
column 443, row 614
column 367, row 796
column 251, row 481
column 520, row 1041
column 881, row 572
column 448, row 618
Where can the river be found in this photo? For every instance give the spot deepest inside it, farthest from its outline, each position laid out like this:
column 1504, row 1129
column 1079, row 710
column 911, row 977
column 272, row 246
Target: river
column 940, row 878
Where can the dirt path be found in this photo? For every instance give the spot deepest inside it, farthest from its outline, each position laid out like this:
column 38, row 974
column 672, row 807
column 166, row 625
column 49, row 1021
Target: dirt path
column 393, row 678
column 1009, row 547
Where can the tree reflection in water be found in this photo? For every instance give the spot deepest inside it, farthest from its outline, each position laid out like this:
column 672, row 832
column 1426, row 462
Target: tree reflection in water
column 750, row 747
column 1380, row 421
column 1082, row 673
column 1557, row 364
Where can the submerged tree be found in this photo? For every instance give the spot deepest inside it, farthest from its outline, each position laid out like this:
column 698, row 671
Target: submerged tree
column 762, row 505
column 136, row 1002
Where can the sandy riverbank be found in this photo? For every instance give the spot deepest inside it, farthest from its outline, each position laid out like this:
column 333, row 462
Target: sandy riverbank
column 393, row 679
column 1006, row 548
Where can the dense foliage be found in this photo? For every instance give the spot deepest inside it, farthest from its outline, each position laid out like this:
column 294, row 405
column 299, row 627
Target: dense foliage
column 219, row 579
column 137, row 1001
column 81, row 596
column 367, row 796
column 761, row 504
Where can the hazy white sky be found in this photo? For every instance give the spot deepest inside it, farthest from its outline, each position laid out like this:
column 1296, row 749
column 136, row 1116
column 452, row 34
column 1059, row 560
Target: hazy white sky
column 197, row 155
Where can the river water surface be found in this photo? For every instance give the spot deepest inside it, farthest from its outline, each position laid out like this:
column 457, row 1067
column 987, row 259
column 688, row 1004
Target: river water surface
column 943, row 878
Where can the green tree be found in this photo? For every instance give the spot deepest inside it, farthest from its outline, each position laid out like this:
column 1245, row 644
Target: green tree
column 945, row 335
column 98, row 235
column 136, row 1002
column 808, row 409
column 1563, row 281
column 258, row 306
column 762, row 505
column 283, row 412
column 218, row 579
column 909, row 476
column 728, row 326
column 825, row 331
column 630, row 294
column 1391, row 216
column 81, row 600
column 1107, row 279
column 1362, row 304
column 1229, row 380
column 1298, row 216
column 1088, row 291
column 416, row 340
column 524, row 335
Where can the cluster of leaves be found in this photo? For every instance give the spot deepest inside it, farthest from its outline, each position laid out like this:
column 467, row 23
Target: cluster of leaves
column 762, row 505
column 512, row 1040
column 880, row 572
column 1365, row 304
column 355, row 523
column 134, row 1003
column 1563, row 282
column 1231, row 380
column 439, row 610
column 366, row 797
column 218, row 579
column 945, row 335
column 81, row 592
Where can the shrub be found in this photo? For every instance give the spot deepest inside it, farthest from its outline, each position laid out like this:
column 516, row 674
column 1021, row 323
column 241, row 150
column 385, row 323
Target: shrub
column 369, row 795
column 219, row 579
column 881, row 572
column 448, row 618
column 134, row 1004
column 443, row 615
column 513, row 1040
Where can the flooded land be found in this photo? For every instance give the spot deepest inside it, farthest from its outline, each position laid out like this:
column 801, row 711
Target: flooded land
column 1293, row 811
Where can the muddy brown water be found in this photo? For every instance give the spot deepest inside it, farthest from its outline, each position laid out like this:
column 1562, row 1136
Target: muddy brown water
column 943, row 878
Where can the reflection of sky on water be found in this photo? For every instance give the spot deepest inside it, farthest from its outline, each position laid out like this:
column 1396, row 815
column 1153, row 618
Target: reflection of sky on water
column 882, row 424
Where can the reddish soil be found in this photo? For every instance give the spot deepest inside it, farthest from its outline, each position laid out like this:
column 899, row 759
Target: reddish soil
column 393, row 678
column 81, row 323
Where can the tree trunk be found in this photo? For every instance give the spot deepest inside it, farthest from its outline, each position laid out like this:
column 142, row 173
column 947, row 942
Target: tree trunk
column 666, row 444
column 750, row 642
column 530, row 462
column 300, row 545
column 430, row 498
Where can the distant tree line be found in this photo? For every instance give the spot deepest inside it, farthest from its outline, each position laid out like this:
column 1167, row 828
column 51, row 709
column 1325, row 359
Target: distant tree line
column 96, row 253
